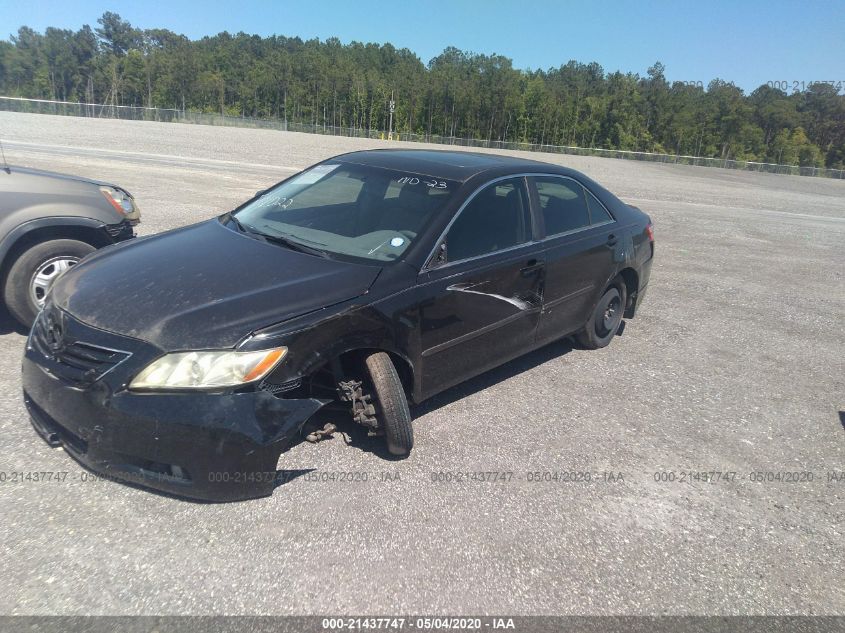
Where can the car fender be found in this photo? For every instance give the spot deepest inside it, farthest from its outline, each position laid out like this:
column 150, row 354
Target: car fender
column 53, row 222
column 624, row 256
column 314, row 340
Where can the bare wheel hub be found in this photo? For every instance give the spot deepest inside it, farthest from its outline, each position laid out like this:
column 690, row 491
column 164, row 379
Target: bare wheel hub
column 610, row 313
column 363, row 411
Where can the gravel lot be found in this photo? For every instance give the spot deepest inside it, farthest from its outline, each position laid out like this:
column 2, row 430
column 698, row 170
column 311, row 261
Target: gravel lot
column 735, row 364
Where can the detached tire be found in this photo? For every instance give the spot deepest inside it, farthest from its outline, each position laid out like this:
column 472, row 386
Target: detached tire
column 45, row 261
column 605, row 319
column 391, row 404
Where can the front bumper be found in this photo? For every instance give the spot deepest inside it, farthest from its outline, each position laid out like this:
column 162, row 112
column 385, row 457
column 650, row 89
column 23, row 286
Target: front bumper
column 120, row 232
column 214, row 447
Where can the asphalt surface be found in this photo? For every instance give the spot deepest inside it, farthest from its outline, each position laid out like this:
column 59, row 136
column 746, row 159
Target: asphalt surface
column 735, row 364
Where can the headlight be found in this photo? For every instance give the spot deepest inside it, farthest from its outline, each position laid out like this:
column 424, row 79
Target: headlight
column 119, row 199
column 201, row 370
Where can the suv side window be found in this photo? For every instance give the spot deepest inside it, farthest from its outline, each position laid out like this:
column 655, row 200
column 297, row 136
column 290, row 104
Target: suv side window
column 496, row 218
column 563, row 204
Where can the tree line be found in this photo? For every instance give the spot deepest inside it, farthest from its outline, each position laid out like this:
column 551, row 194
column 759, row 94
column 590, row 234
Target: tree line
column 457, row 94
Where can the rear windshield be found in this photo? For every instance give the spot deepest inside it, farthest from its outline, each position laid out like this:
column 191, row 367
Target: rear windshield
column 348, row 209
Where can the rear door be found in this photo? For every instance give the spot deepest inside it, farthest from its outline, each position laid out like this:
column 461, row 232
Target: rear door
column 579, row 253
column 482, row 296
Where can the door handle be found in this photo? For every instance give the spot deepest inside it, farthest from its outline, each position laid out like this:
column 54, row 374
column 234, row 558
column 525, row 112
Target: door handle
column 612, row 240
column 531, row 267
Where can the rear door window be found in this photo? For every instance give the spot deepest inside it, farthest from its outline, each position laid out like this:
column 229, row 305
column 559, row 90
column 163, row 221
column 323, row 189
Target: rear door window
column 563, row 204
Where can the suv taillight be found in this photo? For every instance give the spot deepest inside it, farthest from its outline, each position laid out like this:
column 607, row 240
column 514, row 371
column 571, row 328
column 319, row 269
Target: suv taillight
column 649, row 230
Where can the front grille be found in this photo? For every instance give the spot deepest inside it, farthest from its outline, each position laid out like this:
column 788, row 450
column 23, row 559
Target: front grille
column 75, row 361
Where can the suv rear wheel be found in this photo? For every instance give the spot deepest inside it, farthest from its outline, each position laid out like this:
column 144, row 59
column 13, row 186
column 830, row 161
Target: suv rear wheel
column 35, row 271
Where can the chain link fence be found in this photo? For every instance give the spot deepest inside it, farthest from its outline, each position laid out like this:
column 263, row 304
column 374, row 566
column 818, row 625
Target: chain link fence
column 137, row 113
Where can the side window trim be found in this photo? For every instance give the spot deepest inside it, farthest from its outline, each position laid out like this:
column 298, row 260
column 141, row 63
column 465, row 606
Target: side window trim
column 537, row 219
column 479, row 261
column 531, row 233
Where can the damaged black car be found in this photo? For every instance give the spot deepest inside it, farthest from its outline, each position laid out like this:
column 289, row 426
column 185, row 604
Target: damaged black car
column 190, row 360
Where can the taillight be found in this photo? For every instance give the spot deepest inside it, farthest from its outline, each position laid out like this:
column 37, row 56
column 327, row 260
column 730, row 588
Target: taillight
column 649, row 230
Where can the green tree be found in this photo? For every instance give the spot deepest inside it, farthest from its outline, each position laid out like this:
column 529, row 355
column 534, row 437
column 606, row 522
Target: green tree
column 456, row 94
column 116, row 34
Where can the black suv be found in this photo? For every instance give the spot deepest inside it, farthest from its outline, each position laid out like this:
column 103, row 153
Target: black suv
column 190, row 360
column 48, row 222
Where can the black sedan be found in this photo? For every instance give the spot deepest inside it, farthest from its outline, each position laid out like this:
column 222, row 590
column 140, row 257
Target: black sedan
column 189, row 361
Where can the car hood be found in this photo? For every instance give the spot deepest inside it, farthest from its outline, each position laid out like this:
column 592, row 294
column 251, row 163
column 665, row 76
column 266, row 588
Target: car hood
column 203, row 286
column 54, row 175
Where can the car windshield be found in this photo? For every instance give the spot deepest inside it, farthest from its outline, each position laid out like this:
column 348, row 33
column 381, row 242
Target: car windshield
column 349, row 209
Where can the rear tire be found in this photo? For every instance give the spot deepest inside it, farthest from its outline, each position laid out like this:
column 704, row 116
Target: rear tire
column 606, row 318
column 392, row 411
column 37, row 260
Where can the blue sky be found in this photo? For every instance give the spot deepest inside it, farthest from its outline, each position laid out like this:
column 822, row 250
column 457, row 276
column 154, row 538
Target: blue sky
column 748, row 42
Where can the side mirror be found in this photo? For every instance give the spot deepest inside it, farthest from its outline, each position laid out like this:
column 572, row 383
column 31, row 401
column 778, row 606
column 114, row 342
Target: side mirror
column 260, row 192
column 439, row 257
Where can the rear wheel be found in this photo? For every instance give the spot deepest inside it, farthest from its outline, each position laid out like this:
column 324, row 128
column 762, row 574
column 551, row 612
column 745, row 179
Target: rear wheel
column 392, row 411
column 35, row 271
column 606, row 318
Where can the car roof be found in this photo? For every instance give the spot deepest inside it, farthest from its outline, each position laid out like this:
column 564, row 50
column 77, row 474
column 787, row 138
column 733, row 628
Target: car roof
column 449, row 164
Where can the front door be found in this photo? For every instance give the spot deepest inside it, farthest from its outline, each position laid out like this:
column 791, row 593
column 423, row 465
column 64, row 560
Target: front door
column 482, row 300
